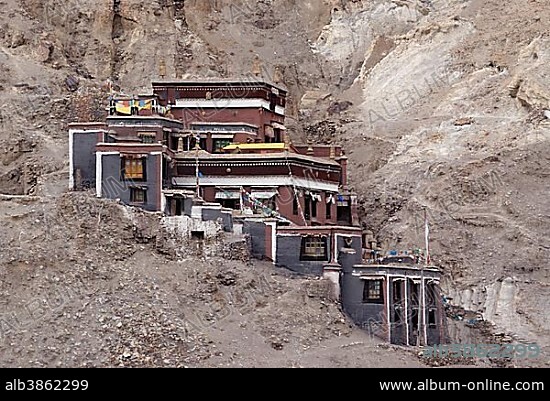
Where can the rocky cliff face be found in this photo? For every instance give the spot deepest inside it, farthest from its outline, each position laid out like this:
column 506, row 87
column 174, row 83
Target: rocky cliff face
column 441, row 104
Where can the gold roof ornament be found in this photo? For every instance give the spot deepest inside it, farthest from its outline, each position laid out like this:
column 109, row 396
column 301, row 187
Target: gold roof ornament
column 162, row 68
column 278, row 74
column 287, row 141
column 256, row 66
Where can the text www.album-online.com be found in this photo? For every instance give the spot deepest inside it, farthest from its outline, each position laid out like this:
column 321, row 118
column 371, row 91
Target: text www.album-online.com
column 486, row 385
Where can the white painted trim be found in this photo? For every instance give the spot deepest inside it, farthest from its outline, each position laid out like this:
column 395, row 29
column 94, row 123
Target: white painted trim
column 160, row 184
column 156, row 153
column 382, row 268
column 407, row 310
column 306, row 233
column 388, row 311
column 273, row 226
column 255, row 181
column 163, row 203
column 71, row 161
column 334, row 247
column 389, row 275
column 303, row 233
column 98, row 174
column 424, row 310
column 139, row 125
column 226, row 103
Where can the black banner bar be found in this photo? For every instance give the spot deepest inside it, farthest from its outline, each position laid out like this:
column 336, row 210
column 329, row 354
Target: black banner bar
column 157, row 382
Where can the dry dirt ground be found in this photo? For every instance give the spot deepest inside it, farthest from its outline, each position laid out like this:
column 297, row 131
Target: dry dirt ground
column 87, row 283
column 440, row 104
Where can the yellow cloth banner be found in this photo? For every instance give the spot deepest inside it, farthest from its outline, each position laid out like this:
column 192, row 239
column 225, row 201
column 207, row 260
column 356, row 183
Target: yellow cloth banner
column 124, row 107
column 145, row 104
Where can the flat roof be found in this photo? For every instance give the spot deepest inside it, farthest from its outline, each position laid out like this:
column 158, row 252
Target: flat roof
column 191, row 155
column 244, row 81
column 130, row 145
column 319, row 228
column 149, row 118
column 89, row 124
column 256, row 146
column 399, row 266
column 213, row 123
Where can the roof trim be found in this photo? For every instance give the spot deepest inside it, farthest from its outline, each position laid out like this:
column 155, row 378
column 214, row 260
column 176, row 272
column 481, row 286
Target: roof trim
column 244, row 81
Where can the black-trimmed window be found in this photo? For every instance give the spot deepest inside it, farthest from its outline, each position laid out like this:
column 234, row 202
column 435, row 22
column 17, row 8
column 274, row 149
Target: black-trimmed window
column 295, row 206
column 432, row 318
column 134, row 169
column 329, row 211
column 138, row 196
column 307, row 207
column 373, row 292
column 314, row 248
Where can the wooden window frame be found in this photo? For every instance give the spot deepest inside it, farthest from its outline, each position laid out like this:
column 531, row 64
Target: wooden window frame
column 134, row 175
column 310, row 243
column 373, row 295
column 133, row 192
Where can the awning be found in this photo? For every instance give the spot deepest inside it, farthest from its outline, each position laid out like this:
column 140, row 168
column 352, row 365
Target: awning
column 279, row 126
column 225, row 195
column 263, row 194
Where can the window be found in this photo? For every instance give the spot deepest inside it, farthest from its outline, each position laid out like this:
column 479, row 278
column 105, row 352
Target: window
column 233, row 204
column 307, row 207
column 373, row 292
column 397, row 292
column 148, row 137
column 314, row 249
column 329, row 211
column 295, row 207
column 432, row 318
column 133, row 169
column 138, row 195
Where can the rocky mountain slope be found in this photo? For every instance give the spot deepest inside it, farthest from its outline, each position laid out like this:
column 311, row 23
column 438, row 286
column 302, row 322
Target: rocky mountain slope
column 442, row 105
